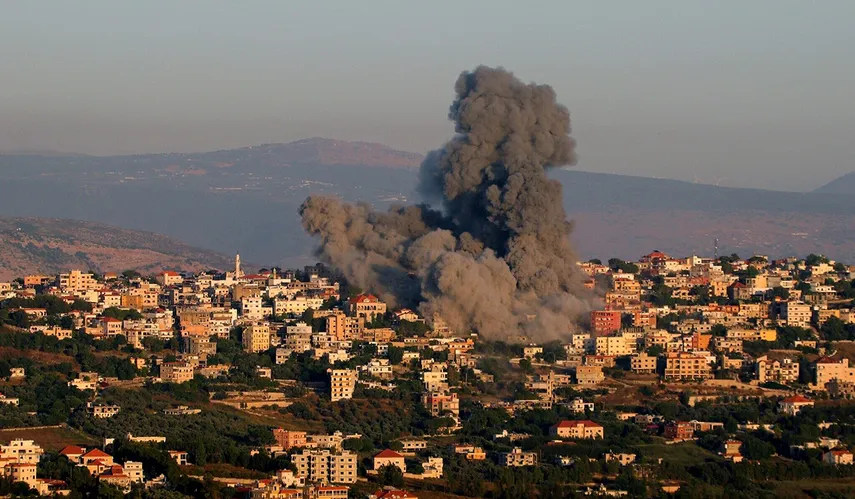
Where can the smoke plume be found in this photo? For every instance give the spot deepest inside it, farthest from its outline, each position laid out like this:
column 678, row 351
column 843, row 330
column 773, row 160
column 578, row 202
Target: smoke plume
column 494, row 256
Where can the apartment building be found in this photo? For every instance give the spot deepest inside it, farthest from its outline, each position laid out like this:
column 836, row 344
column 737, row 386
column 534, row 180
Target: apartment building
column 828, row 369
column 518, row 458
column 585, row 429
column 343, row 328
column 605, row 321
column 200, row 345
column 439, row 403
column 323, row 466
column 589, row 375
column 780, row 371
column 176, row 372
column 342, row 383
column 256, row 338
column 298, row 338
column 682, row 366
column 284, row 307
column 289, row 439
column 21, row 451
column 615, row 346
column 643, row 364
column 77, row 281
column 795, row 314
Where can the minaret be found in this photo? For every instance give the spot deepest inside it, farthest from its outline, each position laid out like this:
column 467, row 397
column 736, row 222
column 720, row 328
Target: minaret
column 237, row 265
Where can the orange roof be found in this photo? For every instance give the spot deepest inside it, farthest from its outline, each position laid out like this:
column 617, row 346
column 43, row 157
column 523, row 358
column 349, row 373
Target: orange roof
column 570, row 424
column 109, row 319
column 364, row 299
column 72, row 450
column 388, row 453
column 796, row 399
column 96, row 453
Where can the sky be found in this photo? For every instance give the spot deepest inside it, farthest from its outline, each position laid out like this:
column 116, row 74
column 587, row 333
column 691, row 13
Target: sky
column 743, row 94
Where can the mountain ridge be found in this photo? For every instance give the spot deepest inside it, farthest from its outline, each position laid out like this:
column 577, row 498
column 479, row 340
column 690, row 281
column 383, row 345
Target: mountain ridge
column 844, row 184
column 31, row 245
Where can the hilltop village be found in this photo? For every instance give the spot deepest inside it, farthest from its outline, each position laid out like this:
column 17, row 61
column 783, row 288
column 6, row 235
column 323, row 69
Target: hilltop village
column 692, row 377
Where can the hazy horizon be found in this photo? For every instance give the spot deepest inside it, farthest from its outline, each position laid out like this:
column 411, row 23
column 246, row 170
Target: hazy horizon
column 745, row 95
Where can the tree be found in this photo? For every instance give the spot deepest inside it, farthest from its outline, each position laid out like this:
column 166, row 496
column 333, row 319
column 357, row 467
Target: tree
column 780, row 293
column 390, row 475
column 395, row 355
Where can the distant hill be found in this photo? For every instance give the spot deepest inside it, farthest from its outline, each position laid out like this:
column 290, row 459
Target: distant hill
column 840, row 185
column 41, row 245
column 246, row 200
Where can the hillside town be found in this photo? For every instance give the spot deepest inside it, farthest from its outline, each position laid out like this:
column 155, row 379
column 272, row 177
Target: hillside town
column 688, row 377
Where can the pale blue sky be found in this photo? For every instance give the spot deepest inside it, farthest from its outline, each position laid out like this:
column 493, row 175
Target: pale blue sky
column 747, row 93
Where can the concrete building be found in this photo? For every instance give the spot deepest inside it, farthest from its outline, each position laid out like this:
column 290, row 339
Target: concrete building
column 796, row 314
column 589, row 375
column 289, row 439
column 518, row 458
column 342, row 383
column 21, row 451
column 605, row 321
column 643, row 364
column 256, row 338
column 780, row 371
column 439, row 403
column 323, row 466
column 584, row 429
column 176, row 372
column 828, row 369
column 389, row 458
column 366, row 306
column 683, row 366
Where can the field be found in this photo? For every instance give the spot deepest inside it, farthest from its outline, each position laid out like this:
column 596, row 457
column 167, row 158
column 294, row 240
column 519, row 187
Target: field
column 51, row 437
column 686, row 453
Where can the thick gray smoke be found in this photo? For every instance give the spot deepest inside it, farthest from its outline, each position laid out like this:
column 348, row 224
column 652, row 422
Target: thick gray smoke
column 495, row 256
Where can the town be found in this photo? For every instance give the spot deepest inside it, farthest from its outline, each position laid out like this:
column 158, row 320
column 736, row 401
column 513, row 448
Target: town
column 692, row 376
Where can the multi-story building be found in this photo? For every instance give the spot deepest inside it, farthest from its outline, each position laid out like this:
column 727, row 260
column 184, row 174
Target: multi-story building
column 682, row 365
column 615, row 346
column 440, row 403
column 589, row 375
column 289, row 439
column 256, row 338
column 366, row 306
column 586, row 429
column 780, row 371
column 605, row 321
column 77, row 281
column 298, row 338
column 795, row 314
column 200, row 345
column 679, row 430
column 284, row 307
column 342, row 327
column 517, row 458
column 828, row 369
column 323, row 466
column 342, row 383
column 643, row 364
column 389, row 457
column 176, row 372
column 251, row 308
column 21, row 451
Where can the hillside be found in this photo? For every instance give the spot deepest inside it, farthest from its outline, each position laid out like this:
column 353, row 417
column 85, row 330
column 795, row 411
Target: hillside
column 841, row 185
column 41, row 245
column 246, row 200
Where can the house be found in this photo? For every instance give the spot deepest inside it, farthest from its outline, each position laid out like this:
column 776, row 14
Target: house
column 176, row 372
column 518, row 458
column 179, row 457
column 679, row 430
column 289, row 439
column 327, row 492
column 839, row 457
column 585, row 429
column 622, row 458
column 366, row 306
column 792, row 405
column 589, row 375
column 102, row 411
column 73, row 453
column 730, row 450
column 471, row 452
column 389, row 457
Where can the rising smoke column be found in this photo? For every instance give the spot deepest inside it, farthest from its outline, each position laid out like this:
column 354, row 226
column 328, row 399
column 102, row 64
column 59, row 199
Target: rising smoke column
column 495, row 256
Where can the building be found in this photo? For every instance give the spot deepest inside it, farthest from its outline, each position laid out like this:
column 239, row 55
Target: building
column 686, row 366
column 327, row 492
column 77, row 281
column 838, row 457
column 21, row 451
column 289, row 439
column 256, row 338
column 323, row 466
column 589, row 375
column 792, row 405
column 366, row 306
column 176, row 372
column 342, row 384
column 579, row 406
column 643, row 364
column 828, row 369
column 342, row 327
column 200, row 345
column 169, row 278
column 517, row 458
column 180, row 457
column 389, row 458
column 784, row 371
column 605, row 321
column 102, row 411
column 614, row 346
column 442, row 403
column 795, row 314
column 679, row 430
column 583, row 429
